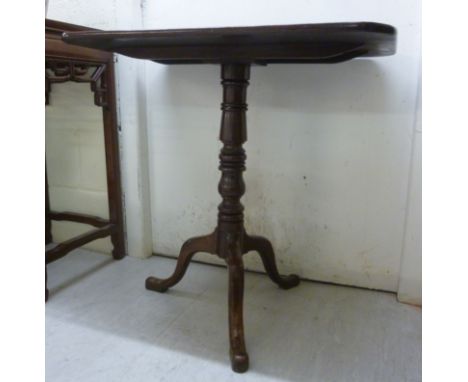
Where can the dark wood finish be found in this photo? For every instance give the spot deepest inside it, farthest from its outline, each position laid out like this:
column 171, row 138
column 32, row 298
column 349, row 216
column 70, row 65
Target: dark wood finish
column 236, row 49
column 267, row 254
column 111, row 143
column 72, row 63
column 79, row 218
column 304, row 43
column 189, row 248
column 55, row 48
column 59, row 71
column 63, row 248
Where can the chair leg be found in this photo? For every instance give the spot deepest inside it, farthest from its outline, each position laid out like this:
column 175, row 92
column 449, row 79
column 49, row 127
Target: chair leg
column 189, row 248
column 265, row 250
column 118, row 250
column 239, row 356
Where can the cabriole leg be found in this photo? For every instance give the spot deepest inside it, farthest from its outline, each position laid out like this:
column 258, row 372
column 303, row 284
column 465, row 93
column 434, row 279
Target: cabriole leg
column 189, row 248
column 265, row 250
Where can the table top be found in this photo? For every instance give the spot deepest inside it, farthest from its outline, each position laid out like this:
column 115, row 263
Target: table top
column 302, row 43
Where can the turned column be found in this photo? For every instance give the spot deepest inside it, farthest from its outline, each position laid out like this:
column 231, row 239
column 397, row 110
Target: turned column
column 232, row 158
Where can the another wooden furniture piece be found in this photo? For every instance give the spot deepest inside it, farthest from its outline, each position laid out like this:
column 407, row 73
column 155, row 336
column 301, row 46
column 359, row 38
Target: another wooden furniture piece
column 236, row 49
column 64, row 63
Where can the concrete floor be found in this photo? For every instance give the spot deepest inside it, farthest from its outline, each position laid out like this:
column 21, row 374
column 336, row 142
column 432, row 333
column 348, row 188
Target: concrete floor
column 102, row 325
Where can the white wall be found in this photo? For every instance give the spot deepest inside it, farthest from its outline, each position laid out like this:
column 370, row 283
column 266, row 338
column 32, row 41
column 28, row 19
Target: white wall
column 329, row 146
column 410, row 288
column 329, row 150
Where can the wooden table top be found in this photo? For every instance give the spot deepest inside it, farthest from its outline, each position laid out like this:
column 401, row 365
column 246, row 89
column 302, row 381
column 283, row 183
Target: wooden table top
column 304, row 43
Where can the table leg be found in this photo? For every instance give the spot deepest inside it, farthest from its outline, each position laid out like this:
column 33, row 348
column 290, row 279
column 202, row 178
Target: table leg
column 189, row 248
column 265, row 250
column 239, row 356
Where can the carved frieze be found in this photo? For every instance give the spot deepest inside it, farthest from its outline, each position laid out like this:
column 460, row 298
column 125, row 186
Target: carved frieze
column 63, row 71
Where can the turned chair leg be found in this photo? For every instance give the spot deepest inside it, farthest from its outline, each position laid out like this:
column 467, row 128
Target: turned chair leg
column 189, row 248
column 118, row 250
column 239, row 356
column 265, row 250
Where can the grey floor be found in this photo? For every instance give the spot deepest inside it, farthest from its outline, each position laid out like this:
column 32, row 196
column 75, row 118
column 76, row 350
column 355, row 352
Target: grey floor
column 102, row 325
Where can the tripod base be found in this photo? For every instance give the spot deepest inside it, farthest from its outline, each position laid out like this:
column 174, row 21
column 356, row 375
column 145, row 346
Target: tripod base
column 209, row 243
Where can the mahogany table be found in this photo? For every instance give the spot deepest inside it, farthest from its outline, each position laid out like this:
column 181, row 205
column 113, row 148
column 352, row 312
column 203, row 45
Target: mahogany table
column 236, row 49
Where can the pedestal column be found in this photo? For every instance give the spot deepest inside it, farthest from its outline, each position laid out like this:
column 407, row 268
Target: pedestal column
column 230, row 240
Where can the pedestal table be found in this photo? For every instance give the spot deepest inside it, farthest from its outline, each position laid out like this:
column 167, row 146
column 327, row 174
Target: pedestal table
column 235, row 49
